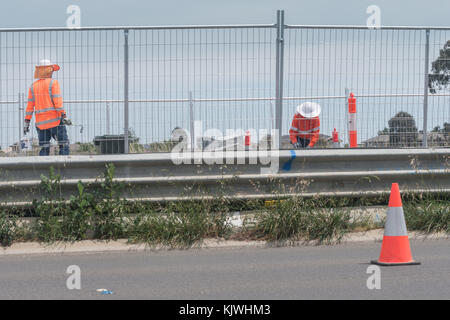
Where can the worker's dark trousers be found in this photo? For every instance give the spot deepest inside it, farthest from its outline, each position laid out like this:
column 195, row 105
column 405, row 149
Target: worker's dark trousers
column 303, row 142
column 58, row 133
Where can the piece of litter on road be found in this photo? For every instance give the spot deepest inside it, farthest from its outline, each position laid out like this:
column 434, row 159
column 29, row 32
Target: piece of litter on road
column 107, row 292
column 104, row 291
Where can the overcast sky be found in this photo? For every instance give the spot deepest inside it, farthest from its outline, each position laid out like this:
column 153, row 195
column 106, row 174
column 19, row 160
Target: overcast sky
column 44, row 13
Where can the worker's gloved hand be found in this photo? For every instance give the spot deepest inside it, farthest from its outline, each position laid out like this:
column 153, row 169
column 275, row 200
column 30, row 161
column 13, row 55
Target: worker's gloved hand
column 66, row 122
column 26, row 127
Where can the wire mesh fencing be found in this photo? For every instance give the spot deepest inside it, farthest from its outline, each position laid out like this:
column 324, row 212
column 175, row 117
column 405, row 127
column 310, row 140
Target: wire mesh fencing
column 132, row 89
column 385, row 69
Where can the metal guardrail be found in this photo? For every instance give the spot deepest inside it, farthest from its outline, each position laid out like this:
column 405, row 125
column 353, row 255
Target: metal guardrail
column 155, row 177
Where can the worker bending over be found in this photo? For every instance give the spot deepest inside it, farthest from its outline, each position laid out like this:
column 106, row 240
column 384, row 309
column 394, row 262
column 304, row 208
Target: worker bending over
column 45, row 100
column 305, row 128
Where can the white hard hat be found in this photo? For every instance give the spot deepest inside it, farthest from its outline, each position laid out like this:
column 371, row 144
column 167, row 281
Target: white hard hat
column 309, row 109
column 46, row 62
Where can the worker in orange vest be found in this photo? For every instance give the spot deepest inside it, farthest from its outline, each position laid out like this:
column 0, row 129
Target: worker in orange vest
column 305, row 128
column 45, row 100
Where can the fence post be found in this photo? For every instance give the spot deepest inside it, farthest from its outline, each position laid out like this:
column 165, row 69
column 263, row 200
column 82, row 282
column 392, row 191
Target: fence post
column 108, row 121
column 191, row 120
column 279, row 75
column 20, row 101
column 425, row 92
column 347, row 95
column 125, row 93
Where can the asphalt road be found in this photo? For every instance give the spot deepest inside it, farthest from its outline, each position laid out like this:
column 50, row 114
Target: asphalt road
column 320, row 272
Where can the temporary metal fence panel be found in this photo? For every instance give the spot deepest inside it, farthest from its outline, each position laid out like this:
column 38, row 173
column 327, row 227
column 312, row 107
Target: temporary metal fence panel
column 385, row 69
column 91, row 79
column 157, row 74
column 223, row 75
column 438, row 109
column 224, row 80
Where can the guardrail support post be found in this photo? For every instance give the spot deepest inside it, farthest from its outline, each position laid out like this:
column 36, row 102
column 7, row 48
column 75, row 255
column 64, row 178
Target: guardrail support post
column 425, row 92
column 125, row 93
column 279, row 75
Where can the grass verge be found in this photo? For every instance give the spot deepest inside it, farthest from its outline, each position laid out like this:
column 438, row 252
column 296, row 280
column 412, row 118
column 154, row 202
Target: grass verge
column 102, row 213
column 428, row 216
column 297, row 219
column 179, row 225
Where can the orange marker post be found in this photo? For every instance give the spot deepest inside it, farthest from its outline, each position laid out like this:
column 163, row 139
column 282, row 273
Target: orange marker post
column 353, row 136
column 247, row 140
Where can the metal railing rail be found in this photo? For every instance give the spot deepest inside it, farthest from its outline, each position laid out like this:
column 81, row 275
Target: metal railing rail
column 155, row 177
column 225, row 26
column 378, row 95
column 169, row 27
column 362, row 27
column 9, row 102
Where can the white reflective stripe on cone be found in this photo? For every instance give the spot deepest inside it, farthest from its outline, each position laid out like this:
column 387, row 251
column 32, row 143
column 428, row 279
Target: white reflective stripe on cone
column 395, row 222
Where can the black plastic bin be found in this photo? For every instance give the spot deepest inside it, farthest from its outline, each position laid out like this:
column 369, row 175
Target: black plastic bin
column 110, row 144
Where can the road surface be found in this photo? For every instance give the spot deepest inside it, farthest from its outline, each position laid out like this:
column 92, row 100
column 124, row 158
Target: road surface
column 307, row 272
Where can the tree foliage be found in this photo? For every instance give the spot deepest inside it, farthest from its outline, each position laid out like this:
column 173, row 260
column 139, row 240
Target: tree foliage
column 402, row 130
column 440, row 70
column 384, row 132
column 445, row 129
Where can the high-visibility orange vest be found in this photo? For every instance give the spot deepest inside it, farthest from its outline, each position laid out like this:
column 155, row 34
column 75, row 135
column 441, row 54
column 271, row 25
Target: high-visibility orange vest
column 305, row 128
column 45, row 99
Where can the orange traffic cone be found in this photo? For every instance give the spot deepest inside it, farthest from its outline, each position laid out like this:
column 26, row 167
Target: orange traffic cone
column 395, row 249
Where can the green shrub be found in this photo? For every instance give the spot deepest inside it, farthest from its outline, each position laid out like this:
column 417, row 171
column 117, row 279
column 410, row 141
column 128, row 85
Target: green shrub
column 109, row 221
column 102, row 211
column 86, row 147
column 8, row 229
column 58, row 221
